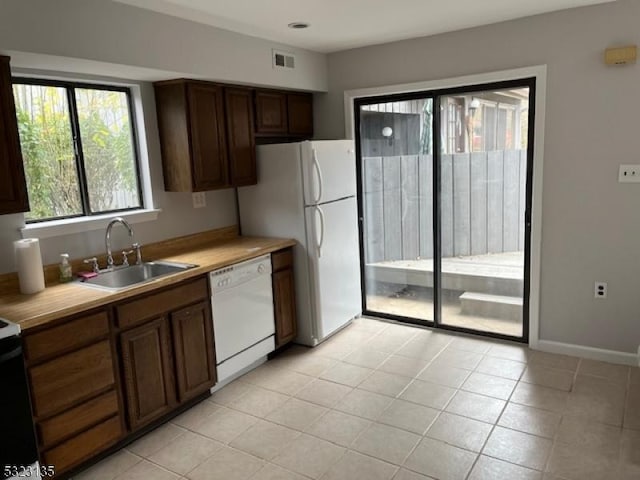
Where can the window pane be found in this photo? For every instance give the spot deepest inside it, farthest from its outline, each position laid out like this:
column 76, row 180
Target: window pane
column 47, row 150
column 396, row 149
column 107, row 145
column 482, row 218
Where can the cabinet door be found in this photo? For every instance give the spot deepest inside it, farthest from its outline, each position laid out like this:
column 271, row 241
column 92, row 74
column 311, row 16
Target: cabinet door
column 13, row 188
column 271, row 112
column 284, row 301
column 148, row 378
column 300, row 113
column 208, row 137
column 194, row 350
column 240, row 139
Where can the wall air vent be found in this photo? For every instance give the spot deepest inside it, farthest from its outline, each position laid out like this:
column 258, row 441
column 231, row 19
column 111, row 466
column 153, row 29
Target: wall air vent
column 283, row 59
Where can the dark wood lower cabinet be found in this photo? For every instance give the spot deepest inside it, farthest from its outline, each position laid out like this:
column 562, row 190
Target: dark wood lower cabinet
column 102, row 377
column 284, row 298
column 285, row 307
column 84, row 446
column 148, row 376
column 78, row 419
column 192, row 330
column 70, row 379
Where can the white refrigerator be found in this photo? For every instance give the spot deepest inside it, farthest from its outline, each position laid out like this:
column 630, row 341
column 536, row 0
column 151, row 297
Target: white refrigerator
column 307, row 191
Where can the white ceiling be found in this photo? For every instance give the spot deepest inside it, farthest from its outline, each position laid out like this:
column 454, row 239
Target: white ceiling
column 342, row 24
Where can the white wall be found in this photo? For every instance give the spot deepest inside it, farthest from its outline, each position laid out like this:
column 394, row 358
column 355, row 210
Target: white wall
column 122, row 35
column 104, row 38
column 591, row 224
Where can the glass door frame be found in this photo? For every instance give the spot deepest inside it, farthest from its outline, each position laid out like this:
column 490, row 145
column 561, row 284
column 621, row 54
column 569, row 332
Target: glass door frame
column 436, row 95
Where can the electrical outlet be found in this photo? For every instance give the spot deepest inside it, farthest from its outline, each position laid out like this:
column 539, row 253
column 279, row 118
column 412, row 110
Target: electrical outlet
column 629, row 174
column 600, row 290
column 199, row 200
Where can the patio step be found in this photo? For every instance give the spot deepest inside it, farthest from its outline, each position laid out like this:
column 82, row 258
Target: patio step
column 494, row 306
column 473, row 278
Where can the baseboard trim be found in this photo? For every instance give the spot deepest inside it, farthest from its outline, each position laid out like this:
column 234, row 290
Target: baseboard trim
column 592, row 353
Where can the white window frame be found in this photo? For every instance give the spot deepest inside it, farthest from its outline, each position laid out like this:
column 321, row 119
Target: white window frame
column 67, row 226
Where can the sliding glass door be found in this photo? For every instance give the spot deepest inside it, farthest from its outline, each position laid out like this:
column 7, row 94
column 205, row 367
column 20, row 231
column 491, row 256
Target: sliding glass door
column 396, row 180
column 444, row 179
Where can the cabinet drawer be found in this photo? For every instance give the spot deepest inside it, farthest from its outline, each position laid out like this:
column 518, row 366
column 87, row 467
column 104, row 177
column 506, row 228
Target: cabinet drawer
column 86, row 445
column 65, row 337
column 78, row 419
column 136, row 312
column 282, row 259
column 73, row 377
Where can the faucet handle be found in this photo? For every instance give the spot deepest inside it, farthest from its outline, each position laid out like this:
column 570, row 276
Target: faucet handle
column 93, row 261
column 125, row 258
column 137, row 247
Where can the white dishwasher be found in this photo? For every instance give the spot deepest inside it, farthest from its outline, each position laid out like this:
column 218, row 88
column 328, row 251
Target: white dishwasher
column 243, row 322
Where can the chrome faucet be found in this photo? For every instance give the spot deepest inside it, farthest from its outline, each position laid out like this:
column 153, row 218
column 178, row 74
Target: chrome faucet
column 107, row 241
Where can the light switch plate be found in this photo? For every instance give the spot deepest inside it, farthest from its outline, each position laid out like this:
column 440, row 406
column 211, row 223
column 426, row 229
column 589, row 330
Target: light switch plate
column 629, row 174
column 199, row 200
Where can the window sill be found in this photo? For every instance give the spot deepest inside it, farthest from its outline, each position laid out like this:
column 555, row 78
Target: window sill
column 69, row 226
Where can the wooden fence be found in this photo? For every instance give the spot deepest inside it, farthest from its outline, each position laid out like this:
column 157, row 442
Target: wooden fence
column 124, row 199
column 482, row 204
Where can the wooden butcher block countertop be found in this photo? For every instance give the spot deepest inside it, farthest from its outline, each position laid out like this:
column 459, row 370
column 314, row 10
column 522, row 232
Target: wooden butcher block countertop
column 210, row 251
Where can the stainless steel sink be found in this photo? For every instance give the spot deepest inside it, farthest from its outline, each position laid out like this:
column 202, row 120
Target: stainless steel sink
column 124, row 277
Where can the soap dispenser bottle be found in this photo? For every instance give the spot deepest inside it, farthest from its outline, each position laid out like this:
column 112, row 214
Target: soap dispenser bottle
column 65, row 268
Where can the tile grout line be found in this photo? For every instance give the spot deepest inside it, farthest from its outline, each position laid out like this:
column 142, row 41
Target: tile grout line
column 493, row 427
column 412, row 380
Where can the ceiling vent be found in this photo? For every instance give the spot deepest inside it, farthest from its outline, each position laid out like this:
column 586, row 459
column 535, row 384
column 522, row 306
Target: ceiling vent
column 283, row 59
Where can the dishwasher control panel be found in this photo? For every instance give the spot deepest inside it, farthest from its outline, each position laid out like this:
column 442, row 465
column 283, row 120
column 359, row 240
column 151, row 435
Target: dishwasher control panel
column 239, row 273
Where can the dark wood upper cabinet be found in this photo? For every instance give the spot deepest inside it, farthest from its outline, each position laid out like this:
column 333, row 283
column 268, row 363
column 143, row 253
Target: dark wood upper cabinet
column 13, row 187
column 193, row 349
column 284, row 114
column 271, row 112
column 192, row 130
column 208, row 131
column 240, row 136
column 148, row 376
column 300, row 114
column 208, row 137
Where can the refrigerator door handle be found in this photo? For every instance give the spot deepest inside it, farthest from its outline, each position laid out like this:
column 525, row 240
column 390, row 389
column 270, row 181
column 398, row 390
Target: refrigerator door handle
column 321, row 239
column 316, row 166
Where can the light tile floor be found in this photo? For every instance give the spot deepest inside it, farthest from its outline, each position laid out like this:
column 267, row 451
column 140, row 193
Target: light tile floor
column 382, row 401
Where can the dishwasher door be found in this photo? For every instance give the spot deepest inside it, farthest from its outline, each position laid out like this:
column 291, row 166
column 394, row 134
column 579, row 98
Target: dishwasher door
column 242, row 316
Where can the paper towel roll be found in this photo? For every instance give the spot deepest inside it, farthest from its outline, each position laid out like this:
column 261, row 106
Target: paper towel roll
column 29, row 263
